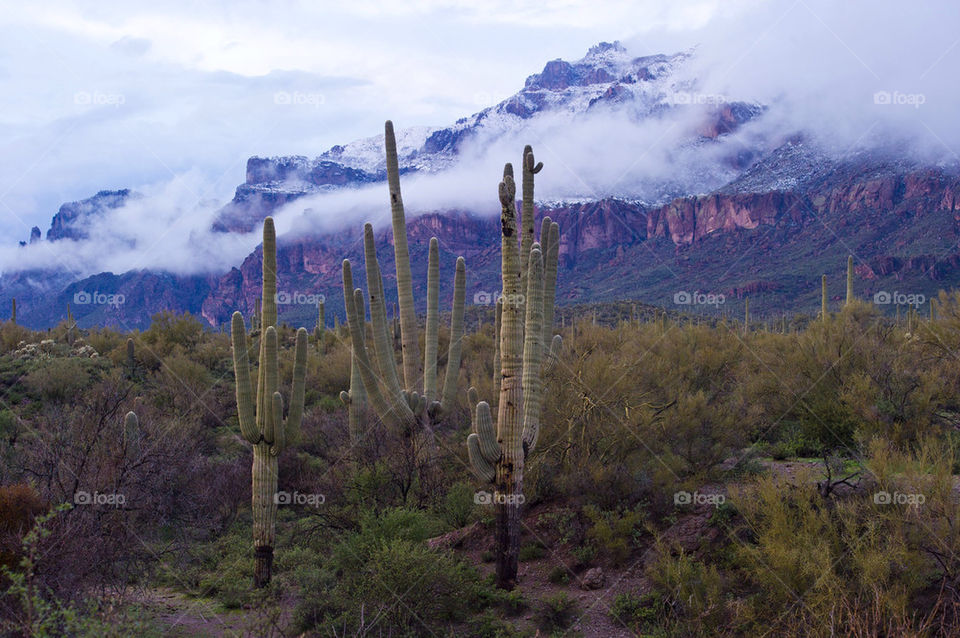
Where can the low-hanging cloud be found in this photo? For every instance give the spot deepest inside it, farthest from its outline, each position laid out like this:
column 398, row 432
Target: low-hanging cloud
column 849, row 76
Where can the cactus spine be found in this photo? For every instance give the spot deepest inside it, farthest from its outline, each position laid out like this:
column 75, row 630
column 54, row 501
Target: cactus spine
column 823, row 297
column 397, row 399
column 849, row 280
column 261, row 413
column 498, row 454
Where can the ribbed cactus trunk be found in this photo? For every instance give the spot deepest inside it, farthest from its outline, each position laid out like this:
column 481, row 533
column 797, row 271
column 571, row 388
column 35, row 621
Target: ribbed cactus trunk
column 399, row 400
column 509, row 479
column 823, row 297
column 408, row 318
column 131, row 360
column 260, row 411
column 498, row 455
column 13, row 310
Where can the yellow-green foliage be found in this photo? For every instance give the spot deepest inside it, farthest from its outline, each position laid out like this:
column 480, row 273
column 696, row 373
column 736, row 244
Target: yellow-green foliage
column 614, row 532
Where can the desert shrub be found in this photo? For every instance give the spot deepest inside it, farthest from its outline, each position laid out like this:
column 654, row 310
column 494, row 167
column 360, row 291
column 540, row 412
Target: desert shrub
column 20, row 504
column 637, row 613
column 615, row 533
column 60, row 379
column 559, row 575
column 458, row 505
column 556, row 613
column 692, row 593
column 405, row 589
column 531, row 551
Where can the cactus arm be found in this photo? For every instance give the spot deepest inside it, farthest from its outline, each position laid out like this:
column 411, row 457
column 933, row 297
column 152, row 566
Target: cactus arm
column 550, row 258
column 431, row 335
column 455, row 349
column 486, row 433
column 271, row 381
column 525, row 224
column 382, row 347
column 510, row 433
column 295, row 415
column 280, row 432
column 241, row 366
column 408, row 318
column 484, row 470
column 533, row 351
column 395, row 412
column 554, row 354
column 497, row 372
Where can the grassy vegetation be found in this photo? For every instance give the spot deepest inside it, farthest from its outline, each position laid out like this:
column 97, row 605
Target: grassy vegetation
column 801, row 433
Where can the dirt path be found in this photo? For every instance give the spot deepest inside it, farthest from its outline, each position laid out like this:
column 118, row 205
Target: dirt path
column 176, row 614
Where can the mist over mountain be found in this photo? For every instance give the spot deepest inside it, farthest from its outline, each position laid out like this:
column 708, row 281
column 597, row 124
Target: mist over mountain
column 718, row 142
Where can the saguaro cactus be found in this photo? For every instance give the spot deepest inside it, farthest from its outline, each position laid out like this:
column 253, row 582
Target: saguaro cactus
column 131, row 434
column 261, row 418
column 403, row 402
column 498, row 454
column 13, row 310
column 318, row 330
column 131, row 359
column 823, row 297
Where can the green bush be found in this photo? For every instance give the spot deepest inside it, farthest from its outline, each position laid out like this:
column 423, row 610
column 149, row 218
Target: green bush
column 556, row 613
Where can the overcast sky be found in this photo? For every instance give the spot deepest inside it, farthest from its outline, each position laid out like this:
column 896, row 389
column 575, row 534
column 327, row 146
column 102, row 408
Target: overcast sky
column 171, row 98
column 105, row 95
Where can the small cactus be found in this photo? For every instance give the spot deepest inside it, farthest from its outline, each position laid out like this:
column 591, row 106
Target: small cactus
column 131, row 435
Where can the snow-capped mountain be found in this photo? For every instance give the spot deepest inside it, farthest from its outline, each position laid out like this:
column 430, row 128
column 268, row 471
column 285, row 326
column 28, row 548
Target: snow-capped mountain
column 733, row 211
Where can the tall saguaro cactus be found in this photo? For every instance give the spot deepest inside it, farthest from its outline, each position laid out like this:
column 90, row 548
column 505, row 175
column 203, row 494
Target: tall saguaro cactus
column 401, row 401
column 260, row 410
column 498, row 454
